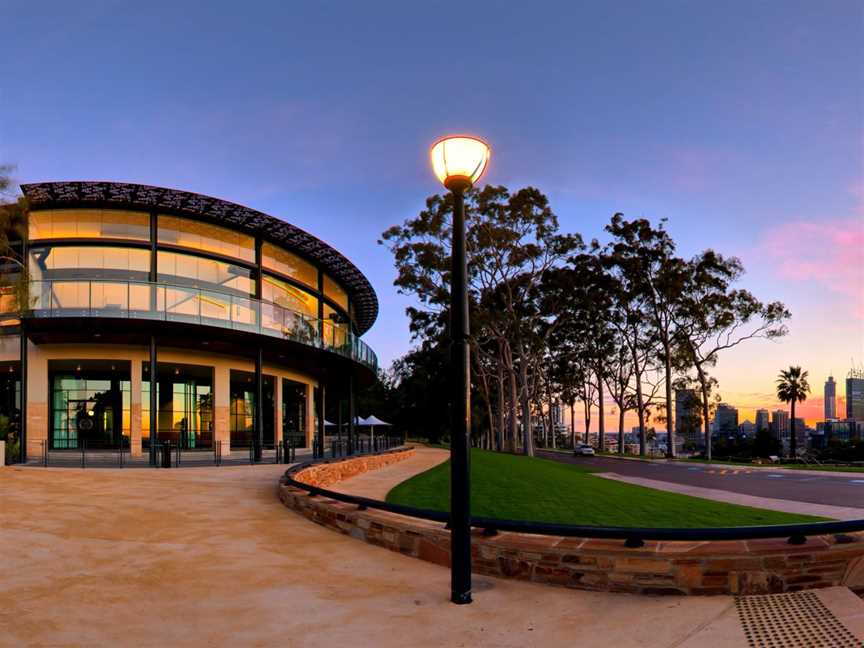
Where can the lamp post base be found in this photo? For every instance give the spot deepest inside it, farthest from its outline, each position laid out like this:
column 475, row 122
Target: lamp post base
column 460, row 599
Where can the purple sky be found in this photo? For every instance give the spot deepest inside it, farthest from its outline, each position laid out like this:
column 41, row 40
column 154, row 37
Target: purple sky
column 742, row 122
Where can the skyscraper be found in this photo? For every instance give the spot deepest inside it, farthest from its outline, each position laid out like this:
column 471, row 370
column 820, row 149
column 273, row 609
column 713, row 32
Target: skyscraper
column 688, row 420
column 830, row 399
column 726, row 419
column 855, row 395
column 762, row 421
column 780, row 425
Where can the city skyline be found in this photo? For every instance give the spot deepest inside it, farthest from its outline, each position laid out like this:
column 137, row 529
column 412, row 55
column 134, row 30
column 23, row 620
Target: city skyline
column 752, row 151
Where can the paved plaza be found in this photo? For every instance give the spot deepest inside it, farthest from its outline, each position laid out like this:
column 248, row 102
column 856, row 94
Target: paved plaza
column 210, row 557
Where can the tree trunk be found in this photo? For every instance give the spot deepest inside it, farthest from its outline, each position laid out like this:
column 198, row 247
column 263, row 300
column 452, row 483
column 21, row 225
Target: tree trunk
column 500, row 437
column 573, row 423
column 620, row 430
column 514, row 418
column 587, row 404
column 601, row 423
column 793, row 438
column 670, row 418
column 527, row 432
column 706, row 423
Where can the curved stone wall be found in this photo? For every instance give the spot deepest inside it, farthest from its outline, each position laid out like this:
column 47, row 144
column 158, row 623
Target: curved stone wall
column 729, row 567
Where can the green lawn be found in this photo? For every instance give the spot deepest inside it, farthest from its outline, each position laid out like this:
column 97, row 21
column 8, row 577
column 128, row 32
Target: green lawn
column 525, row 488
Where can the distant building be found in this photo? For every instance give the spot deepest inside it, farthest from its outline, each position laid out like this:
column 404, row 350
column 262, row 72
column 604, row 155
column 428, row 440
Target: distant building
column 747, row 429
column 855, row 395
column 688, row 419
column 762, row 420
column 780, row 426
column 726, row 420
column 830, row 399
column 557, row 414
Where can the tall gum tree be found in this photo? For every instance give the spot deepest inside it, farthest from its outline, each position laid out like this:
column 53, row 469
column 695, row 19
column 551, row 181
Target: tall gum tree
column 713, row 317
column 512, row 241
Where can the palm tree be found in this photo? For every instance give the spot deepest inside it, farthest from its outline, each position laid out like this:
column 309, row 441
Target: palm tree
column 792, row 387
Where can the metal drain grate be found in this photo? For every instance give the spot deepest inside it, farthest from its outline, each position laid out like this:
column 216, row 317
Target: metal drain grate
column 796, row 620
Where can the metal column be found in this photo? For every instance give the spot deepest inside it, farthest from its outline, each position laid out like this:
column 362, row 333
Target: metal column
column 258, row 441
column 320, row 432
column 154, row 402
column 22, row 416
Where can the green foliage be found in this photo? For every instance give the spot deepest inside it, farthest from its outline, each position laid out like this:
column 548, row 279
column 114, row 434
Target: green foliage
column 527, row 488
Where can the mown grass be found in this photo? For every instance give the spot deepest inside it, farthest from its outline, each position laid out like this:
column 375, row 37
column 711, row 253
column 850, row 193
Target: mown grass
column 527, row 488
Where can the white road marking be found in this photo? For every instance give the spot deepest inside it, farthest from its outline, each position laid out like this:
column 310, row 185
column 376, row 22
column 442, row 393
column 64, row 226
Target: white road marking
column 856, row 481
column 775, row 475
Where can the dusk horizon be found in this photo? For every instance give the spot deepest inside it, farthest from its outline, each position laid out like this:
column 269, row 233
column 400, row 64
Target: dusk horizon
column 751, row 151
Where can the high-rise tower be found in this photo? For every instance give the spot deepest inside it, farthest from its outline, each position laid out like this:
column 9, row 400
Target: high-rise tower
column 830, row 399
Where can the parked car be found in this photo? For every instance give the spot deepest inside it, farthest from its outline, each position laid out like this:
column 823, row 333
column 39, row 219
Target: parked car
column 583, row 450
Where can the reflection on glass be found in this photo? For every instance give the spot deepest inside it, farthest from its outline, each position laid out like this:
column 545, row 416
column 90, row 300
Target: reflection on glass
column 90, row 405
column 89, row 223
column 288, row 264
column 334, row 329
column 288, row 296
column 184, row 396
column 186, row 269
column 335, row 292
column 294, row 412
column 206, row 237
column 91, row 262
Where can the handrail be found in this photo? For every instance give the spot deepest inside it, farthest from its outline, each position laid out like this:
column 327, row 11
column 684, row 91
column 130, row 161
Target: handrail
column 127, row 298
column 634, row 537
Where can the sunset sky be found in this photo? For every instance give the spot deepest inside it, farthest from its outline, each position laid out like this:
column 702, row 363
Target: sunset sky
column 740, row 122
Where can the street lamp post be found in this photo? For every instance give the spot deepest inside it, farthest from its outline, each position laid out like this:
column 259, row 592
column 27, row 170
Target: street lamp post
column 459, row 161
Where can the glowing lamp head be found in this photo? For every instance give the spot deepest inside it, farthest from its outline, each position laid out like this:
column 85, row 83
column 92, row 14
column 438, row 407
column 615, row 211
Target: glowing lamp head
column 459, row 160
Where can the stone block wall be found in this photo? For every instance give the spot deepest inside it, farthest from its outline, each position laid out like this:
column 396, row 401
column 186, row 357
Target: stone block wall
column 695, row 568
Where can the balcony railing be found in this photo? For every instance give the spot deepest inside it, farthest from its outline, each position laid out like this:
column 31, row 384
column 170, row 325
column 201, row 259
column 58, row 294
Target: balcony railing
column 175, row 303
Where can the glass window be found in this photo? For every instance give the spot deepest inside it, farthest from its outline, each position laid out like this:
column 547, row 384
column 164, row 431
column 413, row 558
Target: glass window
column 184, row 397
column 335, row 292
column 294, row 412
column 89, row 223
column 334, row 328
column 91, row 262
column 206, row 237
column 90, row 404
column 242, row 409
column 284, row 262
column 189, row 270
column 288, row 296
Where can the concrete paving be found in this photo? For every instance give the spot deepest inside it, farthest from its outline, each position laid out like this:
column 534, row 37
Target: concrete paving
column 377, row 483
column 210, row 557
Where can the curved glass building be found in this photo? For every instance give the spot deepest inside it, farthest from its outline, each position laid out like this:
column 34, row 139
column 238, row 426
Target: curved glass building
column 157, row 314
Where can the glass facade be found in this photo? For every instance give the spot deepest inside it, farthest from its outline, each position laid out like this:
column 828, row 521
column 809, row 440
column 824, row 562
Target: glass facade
column 190, row 270
column 242, row 409
column 288, row 296
column 334, row 328
column 184, row 395
column 336, row 293
column 288, row 264
column 196, row 235
column 89, row 223
column 90, row 404
column 90, row 262
column 294, row 412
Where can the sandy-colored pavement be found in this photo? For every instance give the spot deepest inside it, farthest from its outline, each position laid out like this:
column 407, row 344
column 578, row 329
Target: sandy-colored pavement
column 210, row 557
column 377, row 483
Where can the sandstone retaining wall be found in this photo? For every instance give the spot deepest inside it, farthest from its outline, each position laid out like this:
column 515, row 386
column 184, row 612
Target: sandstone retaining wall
column 728, row 567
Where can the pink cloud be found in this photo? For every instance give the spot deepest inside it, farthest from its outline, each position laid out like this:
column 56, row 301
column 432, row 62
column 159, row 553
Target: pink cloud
column 829, row 253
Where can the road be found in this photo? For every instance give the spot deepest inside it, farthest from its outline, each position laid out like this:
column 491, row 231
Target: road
column 845, row 490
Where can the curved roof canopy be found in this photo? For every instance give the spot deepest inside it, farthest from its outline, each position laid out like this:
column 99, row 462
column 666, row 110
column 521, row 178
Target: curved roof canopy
column 175, row 201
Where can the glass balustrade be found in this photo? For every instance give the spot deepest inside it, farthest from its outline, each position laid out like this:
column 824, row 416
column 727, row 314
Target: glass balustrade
column 158, row 301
